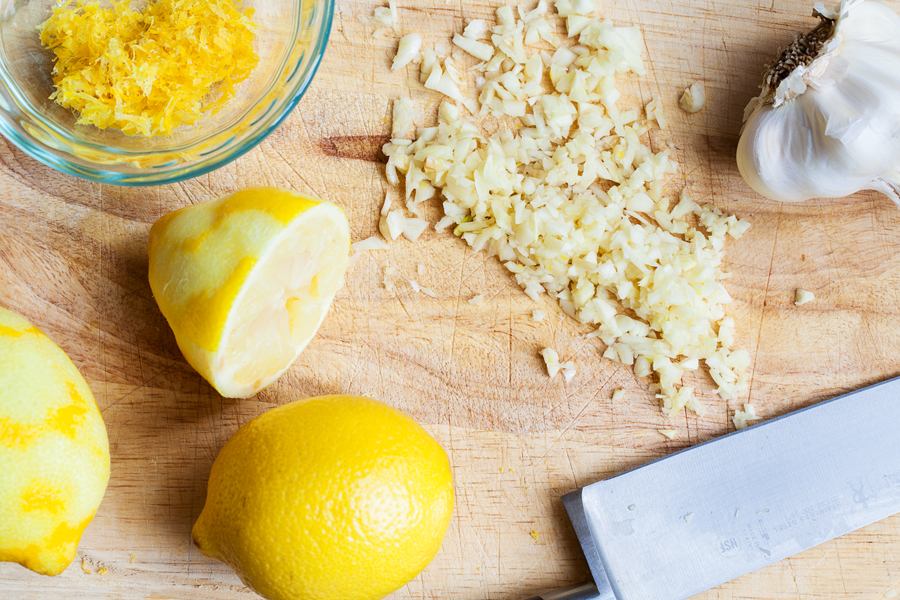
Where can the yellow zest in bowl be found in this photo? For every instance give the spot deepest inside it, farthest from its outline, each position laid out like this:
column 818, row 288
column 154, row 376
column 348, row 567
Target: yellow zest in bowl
column 147, row 73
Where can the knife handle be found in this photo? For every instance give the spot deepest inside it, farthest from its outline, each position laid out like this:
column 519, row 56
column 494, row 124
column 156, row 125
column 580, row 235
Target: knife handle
column 582, row 591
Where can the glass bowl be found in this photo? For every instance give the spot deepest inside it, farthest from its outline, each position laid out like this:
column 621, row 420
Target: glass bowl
column 290, row 40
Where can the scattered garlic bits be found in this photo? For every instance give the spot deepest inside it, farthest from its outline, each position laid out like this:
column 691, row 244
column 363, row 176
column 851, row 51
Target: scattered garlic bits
column 551, row 359
column 402, row 122
column 655, row 113
column 147, row 73
column 407, row 50
column 569, row 371
column 418, row 289
column 369, row 244
column 802, row 296
column 694, row 98
column 742, row 418
column 571, row 200
column 387, row 16
column 391, row 222
column 442, row 76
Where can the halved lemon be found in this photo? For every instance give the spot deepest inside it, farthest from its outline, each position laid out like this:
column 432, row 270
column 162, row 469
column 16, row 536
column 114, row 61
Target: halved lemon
column 246, row 280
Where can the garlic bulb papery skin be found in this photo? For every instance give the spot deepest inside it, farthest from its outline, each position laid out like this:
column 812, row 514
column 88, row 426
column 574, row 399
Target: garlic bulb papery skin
column 827, row 123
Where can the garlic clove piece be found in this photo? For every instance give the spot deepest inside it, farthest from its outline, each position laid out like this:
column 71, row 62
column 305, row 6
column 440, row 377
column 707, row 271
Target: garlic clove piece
column 407, row 50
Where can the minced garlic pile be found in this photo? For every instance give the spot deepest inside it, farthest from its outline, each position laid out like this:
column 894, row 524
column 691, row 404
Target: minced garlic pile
column 570, row 198
column 147, row 73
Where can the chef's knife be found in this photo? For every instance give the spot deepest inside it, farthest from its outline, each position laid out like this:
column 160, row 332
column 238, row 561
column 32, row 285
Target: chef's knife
column 690, row 521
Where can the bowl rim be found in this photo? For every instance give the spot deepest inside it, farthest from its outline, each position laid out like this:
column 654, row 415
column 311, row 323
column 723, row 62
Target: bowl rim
column 39, row 151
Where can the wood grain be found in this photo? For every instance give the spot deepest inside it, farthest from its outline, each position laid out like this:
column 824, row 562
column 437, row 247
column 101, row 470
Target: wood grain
column 73, row 260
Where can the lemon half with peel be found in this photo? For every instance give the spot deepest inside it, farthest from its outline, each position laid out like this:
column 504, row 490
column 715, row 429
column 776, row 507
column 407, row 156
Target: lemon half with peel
column 54, row 451
column 246, row 280
column 328, row 498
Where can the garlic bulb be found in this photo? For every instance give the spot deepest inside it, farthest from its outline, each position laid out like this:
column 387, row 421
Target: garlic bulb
column 827, row 123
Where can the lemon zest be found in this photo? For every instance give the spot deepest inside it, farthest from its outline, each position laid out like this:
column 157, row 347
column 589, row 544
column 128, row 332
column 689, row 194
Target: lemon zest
column 147, row 73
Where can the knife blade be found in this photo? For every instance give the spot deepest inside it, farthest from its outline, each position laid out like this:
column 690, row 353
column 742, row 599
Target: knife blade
column 701, row 517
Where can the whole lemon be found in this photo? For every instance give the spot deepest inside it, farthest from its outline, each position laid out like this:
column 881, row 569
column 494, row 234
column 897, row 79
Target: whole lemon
column 54, row 452
column 328, row 498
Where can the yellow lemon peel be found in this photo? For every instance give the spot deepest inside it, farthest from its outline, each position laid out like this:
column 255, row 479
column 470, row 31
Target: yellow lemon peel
column 54, row 452
column 329, row 497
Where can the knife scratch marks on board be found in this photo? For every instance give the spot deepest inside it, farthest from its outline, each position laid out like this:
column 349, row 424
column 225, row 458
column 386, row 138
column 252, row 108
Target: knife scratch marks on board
column 455, row 322
column 509, row 332
column 571, row 423
column 544, row 387
column 864, row 315
column 570, row 394
column 762, row 308
column 832, row 546
column 470, row 511
column 297, row 172
column 536, row 564
column 572, row 469
column 841, row 570
column 640, row 83
column 687, row 425
column 790, row 564
column 136, row 388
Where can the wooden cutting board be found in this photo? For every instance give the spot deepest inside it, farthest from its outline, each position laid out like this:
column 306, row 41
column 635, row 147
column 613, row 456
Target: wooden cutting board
column 73, row 260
